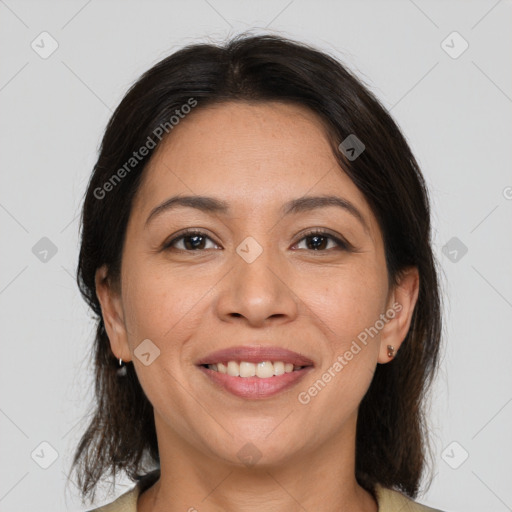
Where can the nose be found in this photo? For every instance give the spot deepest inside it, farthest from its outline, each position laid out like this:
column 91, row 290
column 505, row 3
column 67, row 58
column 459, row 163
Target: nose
column 257, row 292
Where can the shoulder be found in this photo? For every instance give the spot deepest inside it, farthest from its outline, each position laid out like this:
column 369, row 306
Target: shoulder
column 127, row 502
column 391, row 501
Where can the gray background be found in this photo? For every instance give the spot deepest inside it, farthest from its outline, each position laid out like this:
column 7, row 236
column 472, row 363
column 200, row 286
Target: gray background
column 455, row 112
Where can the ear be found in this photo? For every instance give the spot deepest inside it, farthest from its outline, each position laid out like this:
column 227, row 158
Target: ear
column 113, row 315
column 401, row 304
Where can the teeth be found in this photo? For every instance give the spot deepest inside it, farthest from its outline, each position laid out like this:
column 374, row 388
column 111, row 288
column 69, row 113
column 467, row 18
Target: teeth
column 278, row 368
column 263, row 370
column 247, row 369
column 233, row 368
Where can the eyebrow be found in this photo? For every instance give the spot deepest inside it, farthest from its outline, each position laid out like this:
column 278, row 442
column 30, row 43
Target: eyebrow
column 203, row 203
column 303, row 204
column 309, row 203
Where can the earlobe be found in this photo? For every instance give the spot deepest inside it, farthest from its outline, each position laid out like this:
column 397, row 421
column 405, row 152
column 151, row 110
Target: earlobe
column 401, row 308
column 112, row 312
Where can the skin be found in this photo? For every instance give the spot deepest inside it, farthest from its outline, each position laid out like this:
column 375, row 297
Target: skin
column 256, row 157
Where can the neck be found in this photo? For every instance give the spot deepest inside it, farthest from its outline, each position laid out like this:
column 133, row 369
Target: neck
column 322, row 479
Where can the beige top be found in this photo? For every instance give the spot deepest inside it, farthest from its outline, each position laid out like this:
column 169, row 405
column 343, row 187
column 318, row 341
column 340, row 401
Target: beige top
column 388, row 500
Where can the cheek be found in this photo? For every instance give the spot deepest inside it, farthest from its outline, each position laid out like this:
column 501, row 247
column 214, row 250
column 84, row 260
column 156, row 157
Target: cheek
column 345, row 304
column 164, row 307
column 158, row 298
column 344, row 310
column 346, row 301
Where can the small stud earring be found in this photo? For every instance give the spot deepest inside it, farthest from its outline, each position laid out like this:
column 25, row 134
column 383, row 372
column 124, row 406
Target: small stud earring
column 121, row 371
column 391, row 351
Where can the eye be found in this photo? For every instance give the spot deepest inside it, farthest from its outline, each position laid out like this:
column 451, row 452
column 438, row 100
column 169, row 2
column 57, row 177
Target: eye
column 318, row 241
column 191, row 241
column 321, row 241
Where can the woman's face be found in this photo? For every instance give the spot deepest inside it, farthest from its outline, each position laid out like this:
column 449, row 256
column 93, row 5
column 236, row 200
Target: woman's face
column 254, row 283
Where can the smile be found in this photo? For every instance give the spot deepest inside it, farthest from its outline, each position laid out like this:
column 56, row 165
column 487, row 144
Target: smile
column 262, row 370
column 255, row 372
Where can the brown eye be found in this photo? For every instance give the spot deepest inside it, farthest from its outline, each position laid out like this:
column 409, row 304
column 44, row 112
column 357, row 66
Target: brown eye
column 321, row 241
column 193, row 241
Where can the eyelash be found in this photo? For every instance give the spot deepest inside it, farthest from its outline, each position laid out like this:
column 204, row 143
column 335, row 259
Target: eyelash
column 340, row 243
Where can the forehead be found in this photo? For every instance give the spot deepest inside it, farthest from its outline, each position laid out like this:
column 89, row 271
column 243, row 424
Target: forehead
column 250, row 154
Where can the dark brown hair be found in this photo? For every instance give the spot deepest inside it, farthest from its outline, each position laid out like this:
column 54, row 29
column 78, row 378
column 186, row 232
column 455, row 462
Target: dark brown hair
column 391, row 443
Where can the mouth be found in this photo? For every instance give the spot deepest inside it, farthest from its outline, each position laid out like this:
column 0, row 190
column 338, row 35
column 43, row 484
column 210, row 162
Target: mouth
column 246, row 369
column 255, row 372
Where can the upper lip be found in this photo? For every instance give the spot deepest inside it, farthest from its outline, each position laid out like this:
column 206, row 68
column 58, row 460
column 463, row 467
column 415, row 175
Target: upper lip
column 256, row 354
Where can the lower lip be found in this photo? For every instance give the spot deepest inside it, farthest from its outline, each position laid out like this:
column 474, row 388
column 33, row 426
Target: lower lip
column 255, row 387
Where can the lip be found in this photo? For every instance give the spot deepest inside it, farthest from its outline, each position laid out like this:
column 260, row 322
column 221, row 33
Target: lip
column 256, row 354
column 255, row 388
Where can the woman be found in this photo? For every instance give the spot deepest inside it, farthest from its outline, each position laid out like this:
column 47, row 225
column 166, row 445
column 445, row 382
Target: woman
column 256, row 247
